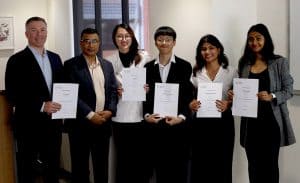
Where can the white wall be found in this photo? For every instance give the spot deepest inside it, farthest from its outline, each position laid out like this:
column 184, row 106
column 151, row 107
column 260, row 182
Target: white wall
column 190, row 19
column 230, row 20
column 58, row 14
column 16, row 10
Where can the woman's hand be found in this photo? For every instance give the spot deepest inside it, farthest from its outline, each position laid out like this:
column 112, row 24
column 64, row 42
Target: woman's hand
column 120, row 91
column 146, row 87
column 264, row 96
column 230, row 95
column 153, row 118
column 222, row 105
column 194, row 105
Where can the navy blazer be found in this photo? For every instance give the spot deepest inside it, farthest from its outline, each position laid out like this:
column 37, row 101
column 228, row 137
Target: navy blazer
column 26, row 87
column 77, row 71
column 180, row 72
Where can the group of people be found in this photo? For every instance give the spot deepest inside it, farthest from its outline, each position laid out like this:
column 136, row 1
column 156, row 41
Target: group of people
column 176, row 149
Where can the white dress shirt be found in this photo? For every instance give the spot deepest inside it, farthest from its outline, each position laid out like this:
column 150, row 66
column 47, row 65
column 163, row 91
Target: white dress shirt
column 127, row 111
column 224, row 76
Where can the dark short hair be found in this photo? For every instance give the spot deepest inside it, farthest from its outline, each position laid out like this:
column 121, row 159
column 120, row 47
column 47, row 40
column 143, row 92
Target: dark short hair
column 32, row 19
column 89, row 31
column 165, row 31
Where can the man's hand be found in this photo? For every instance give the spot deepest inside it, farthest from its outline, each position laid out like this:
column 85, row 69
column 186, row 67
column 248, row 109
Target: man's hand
column 97, row 119
column 172, row 120
column 51, row 107
column 105, row 114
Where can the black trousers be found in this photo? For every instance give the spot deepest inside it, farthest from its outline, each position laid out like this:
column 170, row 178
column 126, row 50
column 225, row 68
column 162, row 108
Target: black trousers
column 212, row 149
column 87, row 139
column 130, row 152
column 38, row 152
column 262, row 150
column 167, row 152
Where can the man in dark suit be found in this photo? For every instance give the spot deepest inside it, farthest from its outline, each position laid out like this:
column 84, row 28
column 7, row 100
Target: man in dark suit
column 29, row 76
column 90, row 131
column 167, row 136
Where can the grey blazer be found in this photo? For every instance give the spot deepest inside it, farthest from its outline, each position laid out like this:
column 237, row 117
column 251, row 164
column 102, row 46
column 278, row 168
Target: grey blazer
column 281, row 84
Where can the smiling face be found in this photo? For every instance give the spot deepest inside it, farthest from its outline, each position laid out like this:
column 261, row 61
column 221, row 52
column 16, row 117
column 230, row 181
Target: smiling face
column 123, row 40
column 36, row 33
column 165, row 44
column 256, row 41
column 89, row 44
column 210, row 53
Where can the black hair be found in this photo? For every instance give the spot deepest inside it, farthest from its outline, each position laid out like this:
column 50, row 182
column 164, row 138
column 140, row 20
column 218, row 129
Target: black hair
column 165, row 31
column 200, row 61
column 89, row 31
column 134, row 47
column 267, row 51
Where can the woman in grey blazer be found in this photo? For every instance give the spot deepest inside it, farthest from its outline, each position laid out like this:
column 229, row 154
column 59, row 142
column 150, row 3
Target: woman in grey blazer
column 262, row 136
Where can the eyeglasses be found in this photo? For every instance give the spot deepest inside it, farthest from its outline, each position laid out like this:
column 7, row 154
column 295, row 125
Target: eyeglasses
column 164, row 41
column 90, row 41
column 121, row 37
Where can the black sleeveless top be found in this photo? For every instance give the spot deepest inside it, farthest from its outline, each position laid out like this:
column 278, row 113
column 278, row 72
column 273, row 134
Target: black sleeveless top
column 264, row 110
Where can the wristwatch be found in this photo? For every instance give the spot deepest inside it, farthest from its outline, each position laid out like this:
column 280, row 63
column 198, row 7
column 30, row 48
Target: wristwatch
column 273, row 95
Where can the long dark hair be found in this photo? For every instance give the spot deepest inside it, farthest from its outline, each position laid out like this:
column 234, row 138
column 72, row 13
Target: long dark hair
column 134, row 47
column 200, row 61
column 267, row 51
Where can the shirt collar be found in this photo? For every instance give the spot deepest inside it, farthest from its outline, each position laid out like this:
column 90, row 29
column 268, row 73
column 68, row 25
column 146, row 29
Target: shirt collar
column 35, row 52
column 171, row 60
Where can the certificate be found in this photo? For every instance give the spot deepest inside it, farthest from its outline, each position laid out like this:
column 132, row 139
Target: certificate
column 208, row 93
column 66, row 94
column 133, row 81
column 166, row 99
column 245, row 99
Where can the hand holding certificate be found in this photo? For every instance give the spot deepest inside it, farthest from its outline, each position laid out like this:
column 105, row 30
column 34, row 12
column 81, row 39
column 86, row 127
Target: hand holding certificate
column 245, row 100
column 208, row 93
column 133, row 81
column 166, row 99
column 65, row 94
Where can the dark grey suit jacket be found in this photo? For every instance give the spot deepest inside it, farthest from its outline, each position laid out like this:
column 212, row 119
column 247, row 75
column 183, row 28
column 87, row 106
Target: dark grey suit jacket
column 281, row 84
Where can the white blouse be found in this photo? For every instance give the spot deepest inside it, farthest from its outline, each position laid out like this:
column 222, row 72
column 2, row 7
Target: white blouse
column 224, row 76
column 127, row 111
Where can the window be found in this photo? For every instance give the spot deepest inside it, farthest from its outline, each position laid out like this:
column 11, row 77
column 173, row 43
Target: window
column 105, row 14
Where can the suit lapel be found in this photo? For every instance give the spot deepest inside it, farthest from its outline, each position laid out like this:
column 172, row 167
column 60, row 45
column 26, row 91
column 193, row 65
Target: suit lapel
column 84, row 70
column 157, row 73
column 37, row 70
column 171, row 76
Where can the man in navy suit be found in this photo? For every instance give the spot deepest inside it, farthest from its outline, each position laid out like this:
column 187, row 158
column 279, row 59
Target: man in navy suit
column 29, row 76
column 167, row 136
column 90, row 132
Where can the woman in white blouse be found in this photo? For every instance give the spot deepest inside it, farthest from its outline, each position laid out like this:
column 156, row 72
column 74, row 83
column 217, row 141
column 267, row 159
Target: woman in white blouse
column 127, row 124
column 212, row 138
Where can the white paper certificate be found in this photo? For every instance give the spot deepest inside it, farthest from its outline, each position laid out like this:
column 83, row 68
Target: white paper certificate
column 245, row 99
column 166, row 99
column 66, row 94
column 208, row 93
column 133, row 81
